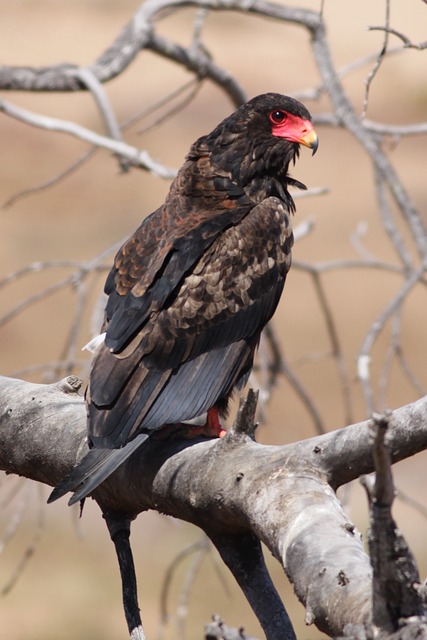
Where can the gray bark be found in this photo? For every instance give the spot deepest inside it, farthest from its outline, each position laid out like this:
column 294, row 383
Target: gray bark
column 233, row 488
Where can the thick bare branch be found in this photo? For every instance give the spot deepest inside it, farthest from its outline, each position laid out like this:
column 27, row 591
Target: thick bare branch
column 279, row 494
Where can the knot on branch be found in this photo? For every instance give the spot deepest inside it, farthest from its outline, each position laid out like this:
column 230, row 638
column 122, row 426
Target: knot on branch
column 70, row 384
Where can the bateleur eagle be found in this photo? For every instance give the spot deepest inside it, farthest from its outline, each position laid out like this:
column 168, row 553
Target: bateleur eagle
column 191, row 290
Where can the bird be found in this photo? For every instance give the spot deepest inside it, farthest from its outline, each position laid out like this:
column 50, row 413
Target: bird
column 191, row 290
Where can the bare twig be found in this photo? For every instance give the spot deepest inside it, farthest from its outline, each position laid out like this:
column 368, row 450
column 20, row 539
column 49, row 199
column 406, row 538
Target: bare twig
column 380, row 129
column 364, row 356
column 134, row 155
column 198, row 61
column 185, row 595
column 199, row 549
column 195, row 84
column 390, row 226
column 378, row 61
column 306, row 399
column 95, row 87
column 42, row 186
column 82, row 272
column 15, row 521
column 407, row 42
column 346, row 115
column 335, row 344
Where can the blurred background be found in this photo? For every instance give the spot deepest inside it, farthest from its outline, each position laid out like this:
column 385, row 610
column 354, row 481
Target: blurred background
column 70, row 586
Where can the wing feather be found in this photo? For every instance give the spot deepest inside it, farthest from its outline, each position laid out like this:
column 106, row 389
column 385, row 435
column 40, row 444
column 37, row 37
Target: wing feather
column 95, row 467
column 195, row 350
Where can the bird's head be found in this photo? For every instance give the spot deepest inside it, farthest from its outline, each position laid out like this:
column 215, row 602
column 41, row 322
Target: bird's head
column 262, row 137
column 274, row 121
column 290, row 120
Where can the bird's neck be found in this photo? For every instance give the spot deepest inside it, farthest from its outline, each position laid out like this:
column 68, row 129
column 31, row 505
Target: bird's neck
column 239, row 168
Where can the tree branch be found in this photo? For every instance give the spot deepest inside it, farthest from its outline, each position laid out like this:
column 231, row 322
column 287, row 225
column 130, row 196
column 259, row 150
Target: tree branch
column 396, row 582
column 134, row 155
column 282, row 495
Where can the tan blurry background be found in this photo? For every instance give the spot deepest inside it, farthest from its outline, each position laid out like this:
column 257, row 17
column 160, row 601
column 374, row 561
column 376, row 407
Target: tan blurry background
column 71, row 588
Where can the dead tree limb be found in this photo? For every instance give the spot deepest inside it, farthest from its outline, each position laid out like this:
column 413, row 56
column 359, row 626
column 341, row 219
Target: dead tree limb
column 231, row 488
column 396, row 582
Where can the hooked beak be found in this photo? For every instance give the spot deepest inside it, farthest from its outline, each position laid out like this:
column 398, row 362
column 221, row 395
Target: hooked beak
column 310, row 139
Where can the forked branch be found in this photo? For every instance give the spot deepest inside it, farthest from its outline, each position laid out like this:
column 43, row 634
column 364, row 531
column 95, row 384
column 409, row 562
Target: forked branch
column 283, row 496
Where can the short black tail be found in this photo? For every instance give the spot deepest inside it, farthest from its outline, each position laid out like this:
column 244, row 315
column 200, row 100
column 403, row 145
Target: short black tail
column 96, row 466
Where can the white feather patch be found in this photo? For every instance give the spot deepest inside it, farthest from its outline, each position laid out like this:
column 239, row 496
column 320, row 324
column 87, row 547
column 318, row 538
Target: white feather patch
column 363, row 367
column 93, row 344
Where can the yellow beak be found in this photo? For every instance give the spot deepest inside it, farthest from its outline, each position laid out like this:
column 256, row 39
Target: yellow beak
column 310, row 140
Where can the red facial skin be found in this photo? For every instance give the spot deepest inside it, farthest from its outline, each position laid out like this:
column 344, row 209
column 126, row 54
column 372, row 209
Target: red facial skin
column 293, row 128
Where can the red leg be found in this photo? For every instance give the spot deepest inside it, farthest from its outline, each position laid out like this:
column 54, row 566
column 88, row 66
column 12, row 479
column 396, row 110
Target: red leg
column 213, row 424
column 211, row 429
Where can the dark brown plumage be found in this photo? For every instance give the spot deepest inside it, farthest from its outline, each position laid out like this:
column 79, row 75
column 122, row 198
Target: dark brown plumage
column 192, row 289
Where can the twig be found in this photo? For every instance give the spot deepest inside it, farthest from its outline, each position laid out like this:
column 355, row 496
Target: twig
column 380, row 129
column 414, row 504
column 184, row 597
column 50, row 371
column 36, row 267
column 36, row 534
column 364, row 355
column 195, row 548
column 42, row 186
column 413, row 379
column 356, row 240
column 107, row 113
column 69, row 349
column 333, row 265
column 407, row 43
column 314, row 93
column 393, row 348
column 378, row 61
column 389, row 224
column 346, row 115
column 165, row 100
column 95, row 87
column 335, row 344
column 304, row 396
column 200, row 63
column 33, row 299
column 134, row 155
column 176, row 109
column 85, row 157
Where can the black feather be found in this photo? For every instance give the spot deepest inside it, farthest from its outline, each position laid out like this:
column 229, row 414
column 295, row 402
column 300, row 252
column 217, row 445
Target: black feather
column 96, row 466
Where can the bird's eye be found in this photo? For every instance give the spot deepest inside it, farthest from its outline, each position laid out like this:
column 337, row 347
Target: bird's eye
column 277, row 116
